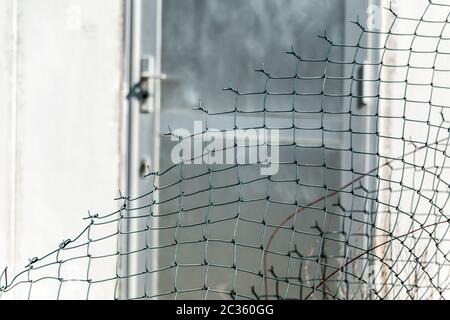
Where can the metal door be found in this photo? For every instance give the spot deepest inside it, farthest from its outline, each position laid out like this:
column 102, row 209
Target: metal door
column 183, row 52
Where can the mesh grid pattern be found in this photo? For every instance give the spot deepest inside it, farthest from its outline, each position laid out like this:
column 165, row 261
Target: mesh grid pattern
column 357, row 209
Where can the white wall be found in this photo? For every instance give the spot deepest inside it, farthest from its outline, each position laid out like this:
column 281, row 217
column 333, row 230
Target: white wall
column 408, row 209
column 68, row 125
column 5, row 126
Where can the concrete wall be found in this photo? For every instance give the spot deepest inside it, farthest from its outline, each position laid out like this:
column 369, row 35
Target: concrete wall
column 60, row 156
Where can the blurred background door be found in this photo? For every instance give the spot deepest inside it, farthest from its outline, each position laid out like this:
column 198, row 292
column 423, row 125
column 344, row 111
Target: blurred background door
column 192, row 49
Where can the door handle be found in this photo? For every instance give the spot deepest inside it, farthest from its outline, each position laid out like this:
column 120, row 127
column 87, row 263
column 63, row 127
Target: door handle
column 144, row 90
column 360, row 87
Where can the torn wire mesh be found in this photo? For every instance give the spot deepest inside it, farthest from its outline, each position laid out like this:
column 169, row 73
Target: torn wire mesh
column 357, row 209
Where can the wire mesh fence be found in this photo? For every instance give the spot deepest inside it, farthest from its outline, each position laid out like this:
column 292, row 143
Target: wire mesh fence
column 356, row 210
